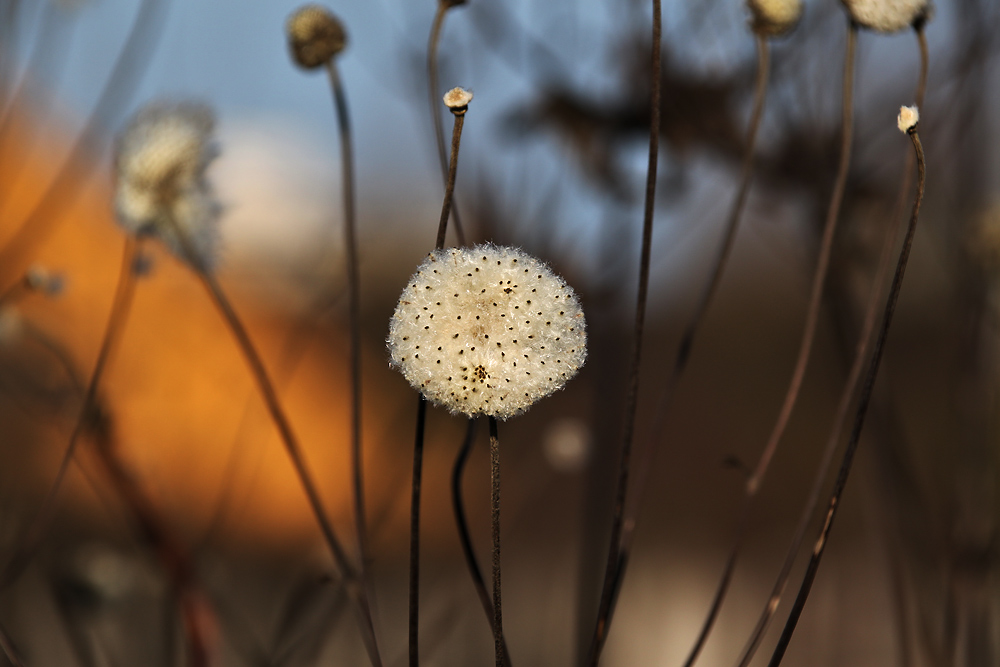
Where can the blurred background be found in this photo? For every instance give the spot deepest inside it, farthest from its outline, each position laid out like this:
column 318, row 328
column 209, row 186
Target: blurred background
column 553, row 160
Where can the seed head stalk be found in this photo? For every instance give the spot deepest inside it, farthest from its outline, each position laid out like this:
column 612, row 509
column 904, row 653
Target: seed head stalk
column 418, row 443
column 859, row 418
column 613, row 566
column 256, row 366
column 120, row 307
column 850, row 386
column 434, row 93
column 354, row 317
column 498, row 642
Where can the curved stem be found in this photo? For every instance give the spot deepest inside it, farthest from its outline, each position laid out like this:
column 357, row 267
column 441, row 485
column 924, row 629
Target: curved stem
column 458, row 505
column 859, row 418
column 418, row 462
column 9, row 649
column 354, row 318
column 612, row 568
column 850, row 386
column 434, row 97
column 449, row 192
column 120, row 307
column 498, row 643
column 822, row 269
column 125, row 76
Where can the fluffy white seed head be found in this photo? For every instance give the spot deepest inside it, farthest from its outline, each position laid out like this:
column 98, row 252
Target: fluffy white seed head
column 160, row 187
column 887, row 15
column 774, row 17
column 908, row 117
column 314, row 36
column 457, row 98
column 487, row 330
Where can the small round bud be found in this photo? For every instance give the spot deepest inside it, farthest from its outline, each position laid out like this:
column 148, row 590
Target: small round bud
column 887, row 15
column 314, row 36
column 487, row 330
column 771, row 18
column 457, row 99
column 908, row 118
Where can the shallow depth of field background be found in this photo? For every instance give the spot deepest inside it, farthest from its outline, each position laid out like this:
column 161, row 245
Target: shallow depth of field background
column 553, row 160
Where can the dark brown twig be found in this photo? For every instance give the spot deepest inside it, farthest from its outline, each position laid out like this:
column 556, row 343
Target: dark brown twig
column 498, row 643
column 611, row 580
column 354, row 319
column 850, row 386
column 434, row 96
column 859, row 418
column 458, row 505
column 418, row 462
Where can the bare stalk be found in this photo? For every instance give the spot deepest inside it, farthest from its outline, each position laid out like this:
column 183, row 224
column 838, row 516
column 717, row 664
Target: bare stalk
column 120, row 307
column 434, row 97
column 463, row 529
column 414, row 611
column 354, row 317
column 129, row 66
column 418, row 462
column 859, row 418
column 498, row 643
column 611, row 578
column 850, row 386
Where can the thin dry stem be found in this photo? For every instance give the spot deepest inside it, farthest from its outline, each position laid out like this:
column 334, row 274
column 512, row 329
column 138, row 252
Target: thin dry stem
column 458, row 505
column 611, row 579
column 418, row 461
column 354, row 319
column 850, row 386
column 449, row 192
column 434, row 96
column 859, row 419
column 120, row 307
column 498, row 644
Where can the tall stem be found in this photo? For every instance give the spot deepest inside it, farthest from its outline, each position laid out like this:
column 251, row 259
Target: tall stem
column 449, row 191
column 495, row 507
column 822, row 269
column 120, row 307
column 850, row 386
column 610, row 585
column 354, row 318
column 434, row 97
column 458, row 505
column 418, row 462
column 859, row 419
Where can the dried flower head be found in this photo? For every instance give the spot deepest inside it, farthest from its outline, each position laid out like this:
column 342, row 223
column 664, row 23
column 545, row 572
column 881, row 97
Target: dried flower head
column 774, row 17
column 887, row 15
column 487, row 330
column 908, row 118
column 160, row 187
column 457, row 99
column 314, row 36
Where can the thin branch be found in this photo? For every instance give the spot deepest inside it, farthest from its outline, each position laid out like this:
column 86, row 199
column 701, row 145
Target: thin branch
column 354, row 318
column 611, row 579
column 418, row 463
column 498, row 643
column 850, row 386
column 859, row 418
column 434, row 97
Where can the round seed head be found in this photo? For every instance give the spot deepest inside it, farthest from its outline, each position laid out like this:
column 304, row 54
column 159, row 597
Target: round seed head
column 314, row 36
column 160, row 184
column 457, row 98
column 774, row 17
column 908, row 118
column 887, row 15
column 487, row 330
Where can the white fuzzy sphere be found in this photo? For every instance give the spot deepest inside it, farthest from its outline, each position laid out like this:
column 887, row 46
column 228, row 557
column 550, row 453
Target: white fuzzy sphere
column 487, row 330
column 160, row 185
column 774, row 17
column 886, row 15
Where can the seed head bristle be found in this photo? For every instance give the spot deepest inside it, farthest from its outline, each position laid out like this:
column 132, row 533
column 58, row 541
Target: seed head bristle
column 487, row 330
